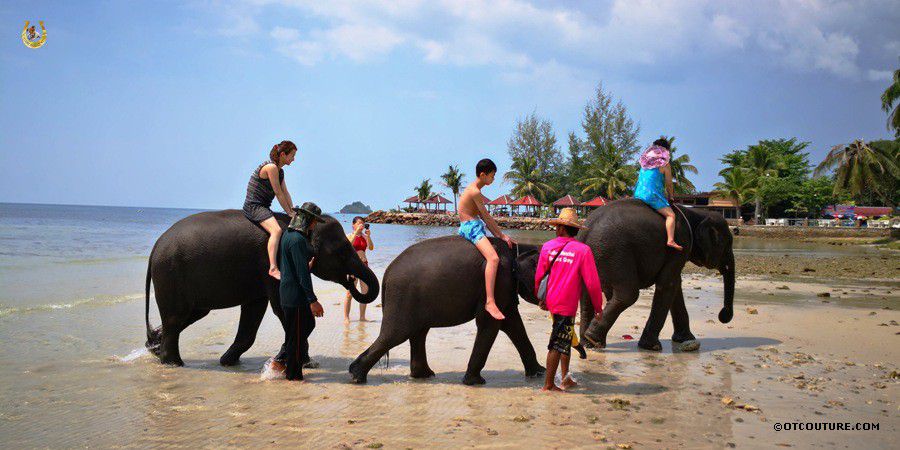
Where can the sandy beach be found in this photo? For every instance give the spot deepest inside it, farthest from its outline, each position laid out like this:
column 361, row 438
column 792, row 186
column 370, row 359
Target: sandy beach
column 76, row 373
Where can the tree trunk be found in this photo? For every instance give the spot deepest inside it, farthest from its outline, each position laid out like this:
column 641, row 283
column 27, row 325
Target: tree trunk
column 756, row 211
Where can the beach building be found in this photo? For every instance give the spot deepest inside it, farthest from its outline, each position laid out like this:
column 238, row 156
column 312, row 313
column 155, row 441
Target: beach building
column 566, row 202
column 502, row 203
column 530, row 203
column 438, row 201
column 709, row 201
column 594, row 203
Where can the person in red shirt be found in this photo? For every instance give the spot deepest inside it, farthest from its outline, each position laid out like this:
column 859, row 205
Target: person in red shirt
column 571, row 266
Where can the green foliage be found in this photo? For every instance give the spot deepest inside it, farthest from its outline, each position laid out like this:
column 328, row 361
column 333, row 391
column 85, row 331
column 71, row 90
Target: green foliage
column 526, row 179
column 736, row 185
column 423, row 190
column 861, row 168
column 453, row 181
column 607, row 180
column 813, row 196
column 611, row 134
column 537, row 162
column 680, row 166
column 888, row 98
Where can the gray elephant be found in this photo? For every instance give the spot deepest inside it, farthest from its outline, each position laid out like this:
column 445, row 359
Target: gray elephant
column 218, row 259
column 629, row 244
column 440, row 283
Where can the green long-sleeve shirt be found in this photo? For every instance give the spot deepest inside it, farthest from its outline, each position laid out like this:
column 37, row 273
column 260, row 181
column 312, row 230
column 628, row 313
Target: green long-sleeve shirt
column 296, row 284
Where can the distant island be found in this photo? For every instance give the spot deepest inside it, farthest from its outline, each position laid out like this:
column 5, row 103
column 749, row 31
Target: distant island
column 356, row 208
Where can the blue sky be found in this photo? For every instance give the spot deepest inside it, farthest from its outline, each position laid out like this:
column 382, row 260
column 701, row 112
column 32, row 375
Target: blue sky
column 174, row 103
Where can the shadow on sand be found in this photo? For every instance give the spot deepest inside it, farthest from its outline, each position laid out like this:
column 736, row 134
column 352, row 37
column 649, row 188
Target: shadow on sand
column 706, row 344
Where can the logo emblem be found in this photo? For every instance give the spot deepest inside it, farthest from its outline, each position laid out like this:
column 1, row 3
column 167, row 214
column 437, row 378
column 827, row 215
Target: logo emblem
column 31, row 38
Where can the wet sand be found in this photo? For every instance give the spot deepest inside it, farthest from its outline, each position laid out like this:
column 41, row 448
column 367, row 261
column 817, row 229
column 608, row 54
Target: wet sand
column 803, row 361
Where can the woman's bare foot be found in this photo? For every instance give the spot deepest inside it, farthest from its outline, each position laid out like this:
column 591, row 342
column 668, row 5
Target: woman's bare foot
column 494, row 311
column 551, row 388
column 674, row 245
column 346, row 321
column 274, row 273
column 568, row 383
column 363, row 319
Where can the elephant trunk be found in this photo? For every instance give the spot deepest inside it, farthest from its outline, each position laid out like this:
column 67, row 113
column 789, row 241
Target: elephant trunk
column 363, row 273
column 727, row 270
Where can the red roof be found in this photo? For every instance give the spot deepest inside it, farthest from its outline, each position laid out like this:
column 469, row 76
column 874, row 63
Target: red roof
column 437, row 199
column 872, row 211
column 527, row 200
column 484, row 199
column 502, row 200
column 413, row 199
column 566, row 201
column 596, row 201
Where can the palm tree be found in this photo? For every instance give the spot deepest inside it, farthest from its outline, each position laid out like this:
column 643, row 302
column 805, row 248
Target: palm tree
column 423, row 190
column 737, row 186
column 453, row 180
column 527, row 180
column 679, row 166
column 607, row 179
column 891, row 95
column 761, row 163
column 859, row 167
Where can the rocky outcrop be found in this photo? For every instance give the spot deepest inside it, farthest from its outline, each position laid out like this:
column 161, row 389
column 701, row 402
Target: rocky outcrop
column 452, row 220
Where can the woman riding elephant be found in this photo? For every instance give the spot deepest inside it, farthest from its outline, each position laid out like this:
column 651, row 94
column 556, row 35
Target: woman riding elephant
column 631, row 239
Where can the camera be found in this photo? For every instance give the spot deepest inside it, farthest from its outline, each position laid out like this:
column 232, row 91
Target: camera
column 366, row 226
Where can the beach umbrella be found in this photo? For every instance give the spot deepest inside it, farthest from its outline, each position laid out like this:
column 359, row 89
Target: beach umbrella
column 594, row 202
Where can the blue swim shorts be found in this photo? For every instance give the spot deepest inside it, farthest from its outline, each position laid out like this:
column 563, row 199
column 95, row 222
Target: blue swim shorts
column 472, row 230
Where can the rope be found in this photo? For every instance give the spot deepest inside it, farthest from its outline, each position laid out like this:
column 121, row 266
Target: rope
column 690, row 229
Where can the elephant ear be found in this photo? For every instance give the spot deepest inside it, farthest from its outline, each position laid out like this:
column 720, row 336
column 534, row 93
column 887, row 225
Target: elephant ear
column 706, row 240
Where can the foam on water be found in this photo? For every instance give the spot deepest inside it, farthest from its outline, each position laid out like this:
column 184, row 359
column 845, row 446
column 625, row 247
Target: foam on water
column 268, row 373
column 91, row 301
column 135, row 354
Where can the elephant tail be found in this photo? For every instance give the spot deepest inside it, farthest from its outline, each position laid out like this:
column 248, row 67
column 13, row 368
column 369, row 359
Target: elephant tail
column 154, row 335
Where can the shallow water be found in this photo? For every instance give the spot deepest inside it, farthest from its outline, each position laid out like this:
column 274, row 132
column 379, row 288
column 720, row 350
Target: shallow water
column 75, row 373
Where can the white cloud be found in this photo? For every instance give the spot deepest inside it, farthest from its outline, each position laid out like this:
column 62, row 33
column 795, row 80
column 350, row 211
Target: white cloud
column 519, row 37
column 879, row 75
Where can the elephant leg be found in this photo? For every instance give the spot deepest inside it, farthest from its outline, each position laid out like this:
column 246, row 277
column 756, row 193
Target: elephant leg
column 387, row 340
column 622, row 298
column 663, row 296
column 680, row 320
column 418, row 361
column 172, row 327
column 587, row 313
column 251, row 316
column 515, row 330
column 484, row 340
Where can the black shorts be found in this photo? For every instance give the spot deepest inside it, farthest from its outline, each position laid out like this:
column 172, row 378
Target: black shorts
column 257, row 213
column 561, row 335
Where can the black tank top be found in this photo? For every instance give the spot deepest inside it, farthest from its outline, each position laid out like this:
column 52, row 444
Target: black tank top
column 259, row 190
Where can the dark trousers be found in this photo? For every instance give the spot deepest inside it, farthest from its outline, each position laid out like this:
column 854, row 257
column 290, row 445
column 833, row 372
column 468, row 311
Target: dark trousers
column 299, row 324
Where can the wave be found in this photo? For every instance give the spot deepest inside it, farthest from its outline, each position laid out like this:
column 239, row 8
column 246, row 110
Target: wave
column 91, row 301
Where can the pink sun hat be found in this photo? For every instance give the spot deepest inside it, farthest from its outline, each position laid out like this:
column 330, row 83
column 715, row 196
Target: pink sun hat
column 654, row 157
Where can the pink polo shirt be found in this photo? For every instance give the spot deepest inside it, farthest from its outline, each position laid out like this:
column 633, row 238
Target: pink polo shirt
column 572, row 269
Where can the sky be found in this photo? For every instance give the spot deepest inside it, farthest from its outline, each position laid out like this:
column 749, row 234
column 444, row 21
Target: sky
column 173, row 104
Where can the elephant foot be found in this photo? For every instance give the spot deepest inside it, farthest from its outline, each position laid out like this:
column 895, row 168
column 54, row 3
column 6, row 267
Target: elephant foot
column 654, row 346
column 686, row 346
column 171, row 361
column 421, row 373
column 595, row 339
column 154, row 341
column 535, row 372
column 229, row 360
column 471, row 380
column 357, row 376
column 682, row 337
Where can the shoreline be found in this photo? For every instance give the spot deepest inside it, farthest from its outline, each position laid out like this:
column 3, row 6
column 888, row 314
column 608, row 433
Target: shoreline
column 848, row 235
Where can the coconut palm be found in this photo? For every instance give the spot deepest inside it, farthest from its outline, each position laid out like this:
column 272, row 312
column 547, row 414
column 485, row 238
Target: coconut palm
column 453, row 181
column 527, row 180
column 737, row 186
column 607, row 179
column 891, row 95
column 859, row 167
column 760, row 162
column 679, row 166
column 423, row 190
